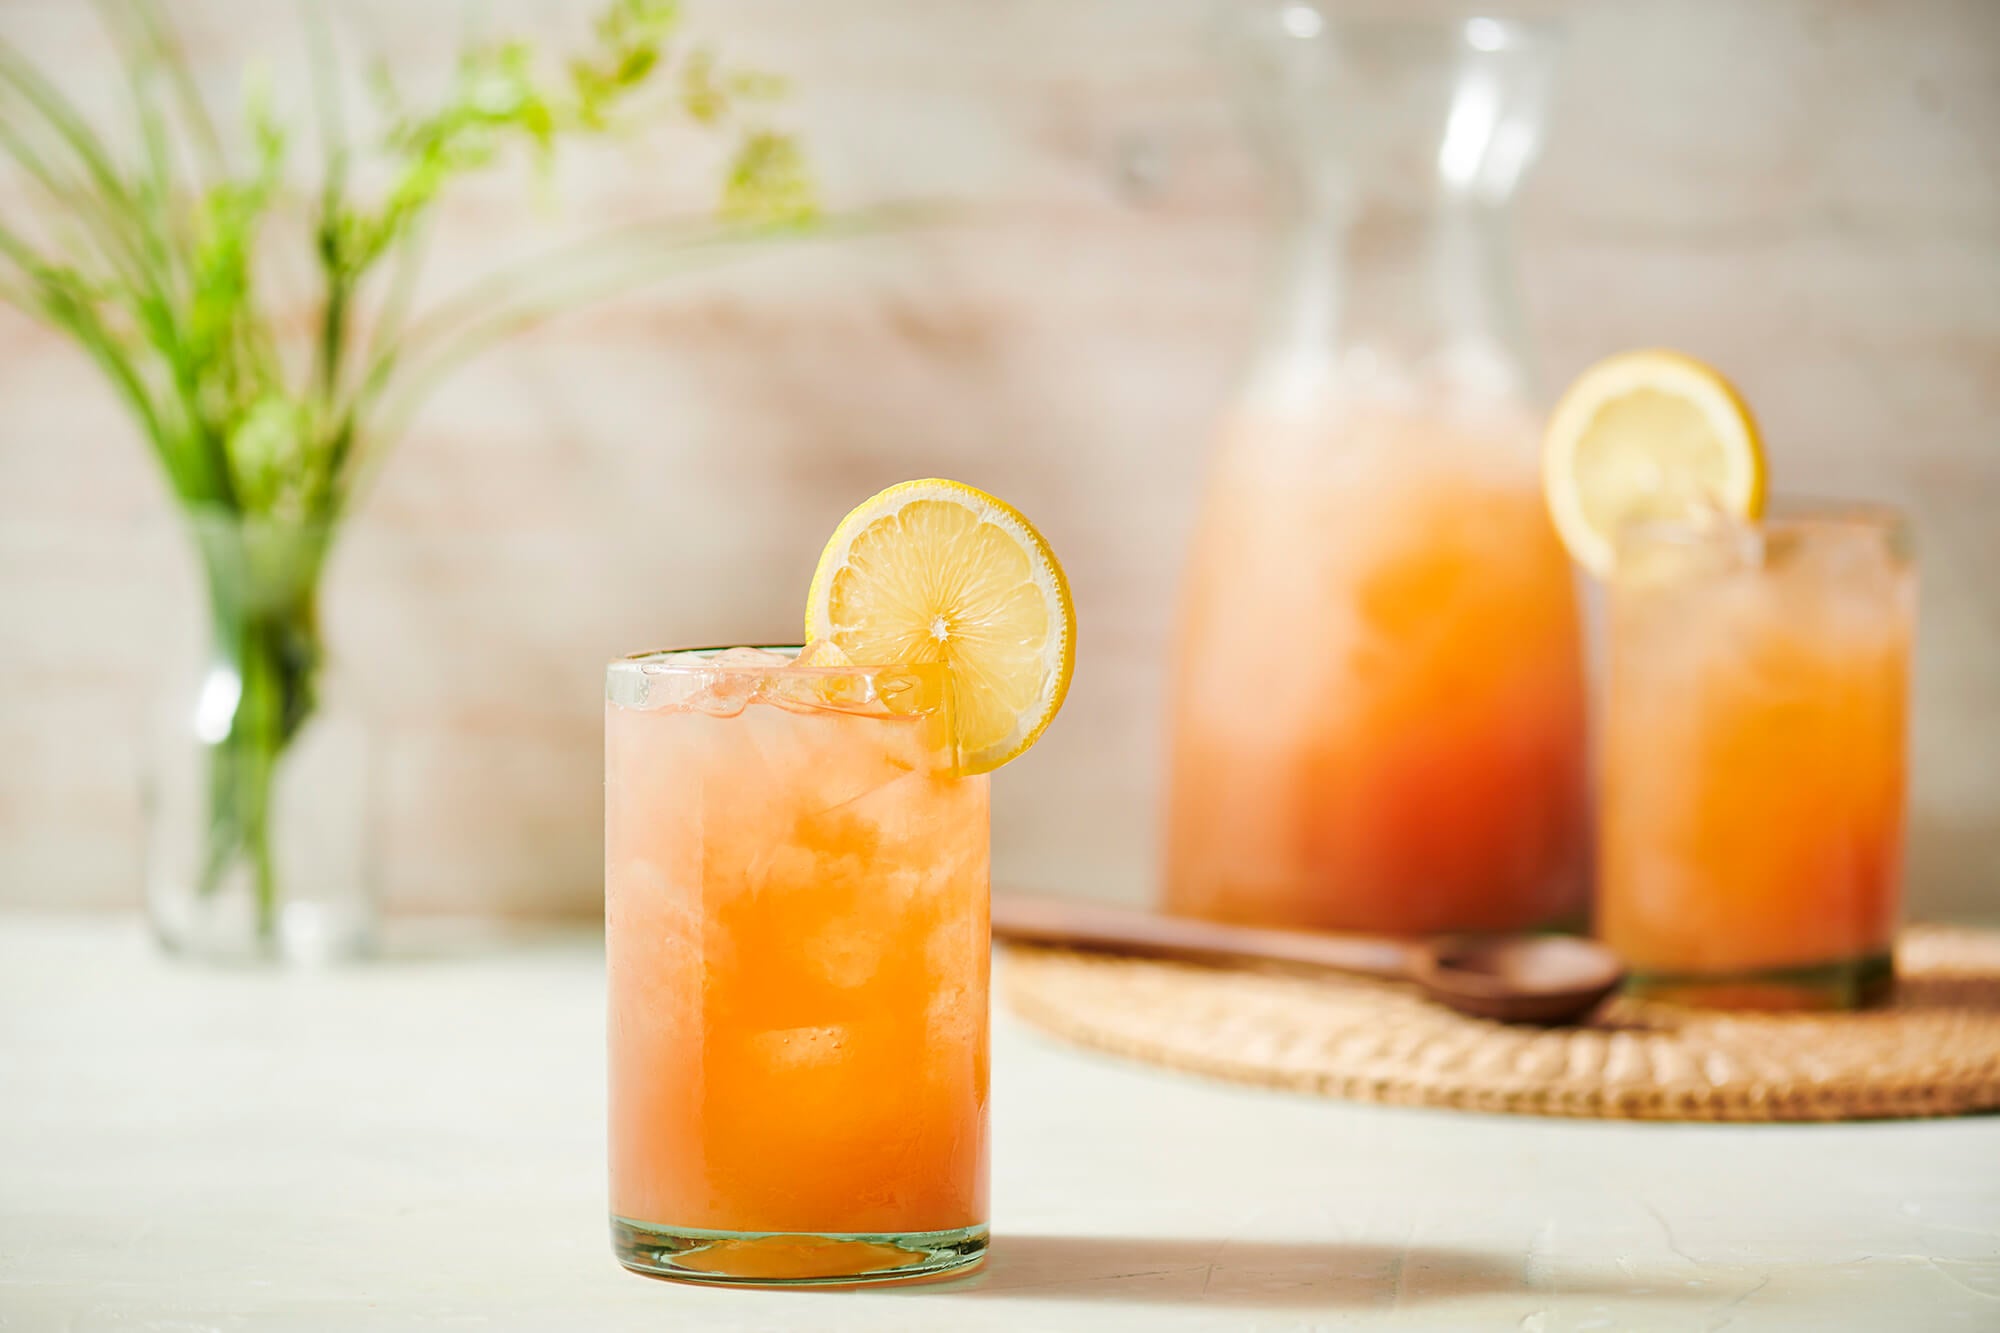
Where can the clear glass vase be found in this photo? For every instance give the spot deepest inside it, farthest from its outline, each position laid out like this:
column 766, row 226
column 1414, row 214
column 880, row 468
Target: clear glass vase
column 259, row 829
column 1378, row 706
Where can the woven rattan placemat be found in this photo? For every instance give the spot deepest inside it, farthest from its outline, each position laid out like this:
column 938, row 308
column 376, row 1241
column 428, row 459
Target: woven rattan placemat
column 1935, row 1050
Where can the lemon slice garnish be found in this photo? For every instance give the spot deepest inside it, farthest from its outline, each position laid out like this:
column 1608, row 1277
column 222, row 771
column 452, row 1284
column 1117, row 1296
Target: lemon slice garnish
column 936, row 571
column 1644, row 435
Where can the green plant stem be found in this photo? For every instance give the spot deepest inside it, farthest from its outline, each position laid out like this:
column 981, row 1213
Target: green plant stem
column 165, row 47
column 70, row 311
column 514, row 299
column 263, row 592
column 334, row 262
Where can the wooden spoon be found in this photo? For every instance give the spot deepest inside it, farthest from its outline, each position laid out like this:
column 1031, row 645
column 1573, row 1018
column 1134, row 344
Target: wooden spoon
column 1510, row 978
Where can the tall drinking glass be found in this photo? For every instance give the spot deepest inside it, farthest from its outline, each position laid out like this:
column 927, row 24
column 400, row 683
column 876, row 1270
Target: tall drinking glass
column 1753, row 756
column 796, row 893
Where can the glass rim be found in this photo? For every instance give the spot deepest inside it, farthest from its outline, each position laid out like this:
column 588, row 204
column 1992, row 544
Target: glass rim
column 700, row 661
column 680, row 678
column 1784, row 513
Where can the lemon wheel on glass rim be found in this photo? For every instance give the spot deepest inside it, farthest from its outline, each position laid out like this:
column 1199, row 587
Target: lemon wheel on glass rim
column 1647, row 434
column 938, row 571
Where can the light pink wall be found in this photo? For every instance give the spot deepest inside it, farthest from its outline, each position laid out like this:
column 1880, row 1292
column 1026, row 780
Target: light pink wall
column 1808, row 194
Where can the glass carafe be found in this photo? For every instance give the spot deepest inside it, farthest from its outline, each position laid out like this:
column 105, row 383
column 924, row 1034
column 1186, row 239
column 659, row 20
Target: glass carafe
column 1378, row 703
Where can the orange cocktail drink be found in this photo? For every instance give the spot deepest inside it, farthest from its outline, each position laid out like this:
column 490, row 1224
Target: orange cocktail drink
column 796, row 925
column 1378, row 713
column 1753, row 756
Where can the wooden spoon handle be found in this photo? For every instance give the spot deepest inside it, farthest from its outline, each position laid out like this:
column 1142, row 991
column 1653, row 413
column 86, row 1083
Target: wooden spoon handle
column 1032, row 919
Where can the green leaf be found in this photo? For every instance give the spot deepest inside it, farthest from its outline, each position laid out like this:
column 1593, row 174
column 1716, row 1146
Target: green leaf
column 702, row 96
column 768, row 181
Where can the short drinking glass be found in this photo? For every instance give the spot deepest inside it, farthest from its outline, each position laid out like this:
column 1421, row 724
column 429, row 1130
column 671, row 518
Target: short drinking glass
column 1752, row 762
column 796, row 925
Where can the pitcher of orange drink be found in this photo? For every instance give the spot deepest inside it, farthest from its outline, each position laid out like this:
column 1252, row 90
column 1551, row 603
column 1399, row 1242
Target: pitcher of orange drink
column 1377, row 711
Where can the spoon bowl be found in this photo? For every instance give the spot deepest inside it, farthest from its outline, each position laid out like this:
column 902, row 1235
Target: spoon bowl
column 1518, row 978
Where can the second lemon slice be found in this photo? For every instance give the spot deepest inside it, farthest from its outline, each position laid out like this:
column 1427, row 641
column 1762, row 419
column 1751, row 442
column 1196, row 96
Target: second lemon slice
column 1648, row 434
column 936, row 571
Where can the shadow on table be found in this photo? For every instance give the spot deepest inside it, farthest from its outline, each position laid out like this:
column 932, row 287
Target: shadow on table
column 1245, row 1274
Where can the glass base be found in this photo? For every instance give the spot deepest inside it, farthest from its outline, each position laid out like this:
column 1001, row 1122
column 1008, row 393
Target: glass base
column 227, row 932
column 793, row 1258
column 1857, row 983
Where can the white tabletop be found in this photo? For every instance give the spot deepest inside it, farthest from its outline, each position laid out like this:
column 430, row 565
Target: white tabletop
column 418, row 1145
